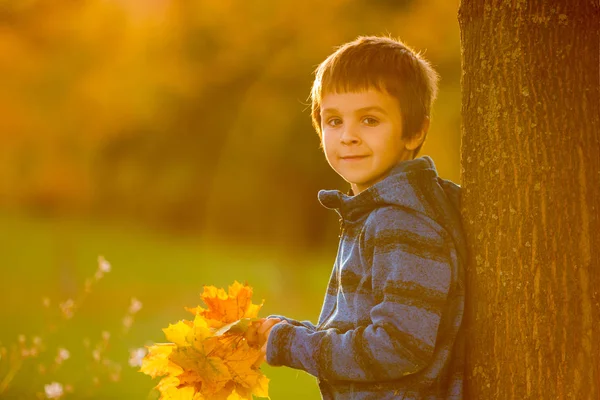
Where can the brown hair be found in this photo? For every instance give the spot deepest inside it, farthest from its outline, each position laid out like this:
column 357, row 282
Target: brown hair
column 384, row 64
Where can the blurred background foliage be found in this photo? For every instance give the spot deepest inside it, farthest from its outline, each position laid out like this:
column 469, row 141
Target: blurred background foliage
column 174, row 137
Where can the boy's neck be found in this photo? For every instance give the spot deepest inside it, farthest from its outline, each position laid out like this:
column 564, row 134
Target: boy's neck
column 354, row 190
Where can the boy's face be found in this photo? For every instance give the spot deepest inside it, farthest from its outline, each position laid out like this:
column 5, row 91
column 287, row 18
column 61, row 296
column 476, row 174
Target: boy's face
column 362, row 136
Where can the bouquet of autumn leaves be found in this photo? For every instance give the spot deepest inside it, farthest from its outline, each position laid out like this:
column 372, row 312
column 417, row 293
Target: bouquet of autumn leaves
column 209, row 357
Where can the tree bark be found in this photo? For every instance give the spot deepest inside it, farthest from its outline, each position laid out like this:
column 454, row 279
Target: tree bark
column 531, row 197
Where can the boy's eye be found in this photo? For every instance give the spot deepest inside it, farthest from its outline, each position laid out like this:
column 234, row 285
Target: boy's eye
column 370, row 121
column 334, row 121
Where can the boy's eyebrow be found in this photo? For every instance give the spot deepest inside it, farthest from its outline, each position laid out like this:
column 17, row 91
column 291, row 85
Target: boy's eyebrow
column 359, row 111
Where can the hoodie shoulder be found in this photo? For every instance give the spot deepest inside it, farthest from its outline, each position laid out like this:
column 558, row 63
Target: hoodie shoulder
column 452, row 191
column 396, row 218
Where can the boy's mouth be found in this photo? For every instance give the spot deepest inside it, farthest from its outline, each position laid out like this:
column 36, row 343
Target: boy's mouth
column 352, row 158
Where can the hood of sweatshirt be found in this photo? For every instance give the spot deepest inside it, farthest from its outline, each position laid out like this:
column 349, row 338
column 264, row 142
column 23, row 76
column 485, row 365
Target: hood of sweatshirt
column 411, row 184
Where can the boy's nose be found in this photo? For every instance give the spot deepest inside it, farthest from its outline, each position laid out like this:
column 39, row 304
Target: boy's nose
column 349, row 136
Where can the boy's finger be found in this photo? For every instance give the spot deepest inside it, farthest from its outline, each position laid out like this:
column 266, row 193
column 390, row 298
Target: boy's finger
column 251, row 335
column 267, row 325
column 256, row 324
column 263, row 350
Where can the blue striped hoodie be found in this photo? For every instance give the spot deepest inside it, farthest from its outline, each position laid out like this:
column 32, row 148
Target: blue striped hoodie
column 390, row 325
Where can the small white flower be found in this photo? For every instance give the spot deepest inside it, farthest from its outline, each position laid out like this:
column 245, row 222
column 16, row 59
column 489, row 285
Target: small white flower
column 22, row 339
column 128, row 321
column 37, row 341
column 67, row 308
column 46, row 302
column 96, row 355
column 103, row 265
column 63, row 354
column 136, row 356
column 135, row 306
column 53, row 390
column 87, row 287
column 105, row 335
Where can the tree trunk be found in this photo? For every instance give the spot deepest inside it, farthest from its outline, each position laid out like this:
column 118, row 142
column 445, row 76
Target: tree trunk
column 531, row 197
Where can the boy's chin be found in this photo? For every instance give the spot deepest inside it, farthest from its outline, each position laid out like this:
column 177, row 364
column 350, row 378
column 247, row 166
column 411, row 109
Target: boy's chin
column 360, row 185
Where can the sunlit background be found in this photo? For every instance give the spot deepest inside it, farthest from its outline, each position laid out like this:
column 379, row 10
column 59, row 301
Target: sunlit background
column 172, row 137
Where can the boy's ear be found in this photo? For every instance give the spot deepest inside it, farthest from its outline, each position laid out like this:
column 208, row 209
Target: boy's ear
column 419, row 136
column 425, row 126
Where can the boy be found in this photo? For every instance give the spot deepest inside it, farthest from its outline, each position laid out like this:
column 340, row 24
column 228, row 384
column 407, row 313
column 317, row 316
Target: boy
column 390, row 326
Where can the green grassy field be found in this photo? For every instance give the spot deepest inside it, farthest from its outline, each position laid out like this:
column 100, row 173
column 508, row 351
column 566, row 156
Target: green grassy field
column 52, row 258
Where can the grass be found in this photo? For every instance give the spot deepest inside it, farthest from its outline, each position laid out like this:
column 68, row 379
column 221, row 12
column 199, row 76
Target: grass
column 53, row 257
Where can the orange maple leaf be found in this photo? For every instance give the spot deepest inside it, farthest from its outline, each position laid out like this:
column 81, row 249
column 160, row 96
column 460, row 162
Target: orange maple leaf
column 224, row 308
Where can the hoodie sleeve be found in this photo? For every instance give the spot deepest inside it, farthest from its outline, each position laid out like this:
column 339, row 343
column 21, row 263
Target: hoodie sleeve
column 410, row 267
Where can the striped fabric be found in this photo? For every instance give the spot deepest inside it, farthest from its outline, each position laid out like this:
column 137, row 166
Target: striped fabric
column 390, row 326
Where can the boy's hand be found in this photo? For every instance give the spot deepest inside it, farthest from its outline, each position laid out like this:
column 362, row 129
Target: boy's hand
column 258, row 334
column 265, row 330
column 251, row 333
column 258, row 331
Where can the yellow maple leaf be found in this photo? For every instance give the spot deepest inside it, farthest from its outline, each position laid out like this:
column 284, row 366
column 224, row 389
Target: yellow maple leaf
column 207, row 374
column 167, row 383
column 157, row 363
column 242, row 363
column 178, row 333
column 225, row 393
column 261, row 389
column 235, row 396
column 199, row 336
column 185, row 393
